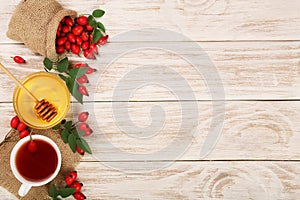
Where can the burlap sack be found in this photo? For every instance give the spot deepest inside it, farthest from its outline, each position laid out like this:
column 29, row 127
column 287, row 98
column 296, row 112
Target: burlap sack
column 35, row 23
column 9, row 182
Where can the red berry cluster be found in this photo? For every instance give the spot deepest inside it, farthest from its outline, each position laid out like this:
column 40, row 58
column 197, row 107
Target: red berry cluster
column 72, row 183
column 76, row 36
column 20, row 127
column 82, row 118
column 84, row 79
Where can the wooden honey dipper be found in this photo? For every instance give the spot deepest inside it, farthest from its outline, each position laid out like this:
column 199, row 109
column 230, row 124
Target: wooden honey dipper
column 43, row 109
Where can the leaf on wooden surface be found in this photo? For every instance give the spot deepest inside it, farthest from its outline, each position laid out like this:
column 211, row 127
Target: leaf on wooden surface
column 65, row 135
column 96, row 35
column 98, row 13
column 77, row 72
column 101, row 26
column 92, row 21
column 63, row 65
column 65, row 192
column 53, row 191
column 72, row 142
column 48, row 64
column 82, row 144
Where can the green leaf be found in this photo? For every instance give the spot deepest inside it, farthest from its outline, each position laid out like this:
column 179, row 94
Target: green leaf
column 96, row 35
column 92, row 21
column 56, row 127
column 98, row 13
column 75, row 132
column 101, row 26
column 78, row 72
column 65, row 135
column 80, row 133
column 63, row 65
column 82, row 144
column 68, row 124
column 48, row 63
column 72, row 142
column 73, row 88
column 65, row 192
column 53, row 191
column 64, row 78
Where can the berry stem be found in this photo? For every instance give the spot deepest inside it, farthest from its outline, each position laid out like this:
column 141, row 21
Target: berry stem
column 30, row 135
column 74, row 125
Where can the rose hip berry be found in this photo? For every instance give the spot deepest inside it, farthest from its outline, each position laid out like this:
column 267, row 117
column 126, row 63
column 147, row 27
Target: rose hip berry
column 61, row 41
column 89, row 54
column 65, row 29
column 75, row 48
column 71, row 177
column 91, row 38
column 89, row 27
column 32, row 146
column 78, row 65
column 84, row 36
column 19, row 59
column 83, row 79
column 94, row 48
column 80, row 151
column 82, row 117
column 69, row 21
column 60, row 49
column 85, row 45
column 76, row 185
column 82, row 20
column 90, row 70
column 77, row 30
column 23, row 133
column 71, row 38
column 69, row 180
column 88, row 132
column 82, row 90
column 21, row 126
column 67, row 46
column 79, row 196
column 14, row 122
column 103, row 40
column 83, row 126
column 59, row 28
column 78, row 40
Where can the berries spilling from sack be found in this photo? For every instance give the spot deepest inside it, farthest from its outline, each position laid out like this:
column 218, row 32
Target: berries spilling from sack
column 81, row 35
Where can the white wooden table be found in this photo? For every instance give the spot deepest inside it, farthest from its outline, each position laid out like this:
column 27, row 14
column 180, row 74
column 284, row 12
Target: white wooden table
column 255, row 48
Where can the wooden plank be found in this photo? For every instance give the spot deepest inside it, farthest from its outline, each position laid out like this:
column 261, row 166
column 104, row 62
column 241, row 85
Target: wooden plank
column 199, row 20
column 248, row 70
column 190, row 180
column 193, row 180
column 251, row 130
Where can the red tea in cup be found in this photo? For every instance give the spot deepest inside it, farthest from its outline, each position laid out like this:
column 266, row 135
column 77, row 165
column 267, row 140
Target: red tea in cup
column 39, row 165
column 35, row 168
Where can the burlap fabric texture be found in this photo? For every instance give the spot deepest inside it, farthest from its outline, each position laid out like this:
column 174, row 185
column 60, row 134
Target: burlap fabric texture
column 9, row 182
column 35, row 22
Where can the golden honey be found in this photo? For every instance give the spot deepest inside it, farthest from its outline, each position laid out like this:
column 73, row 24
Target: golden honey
column 43, row 85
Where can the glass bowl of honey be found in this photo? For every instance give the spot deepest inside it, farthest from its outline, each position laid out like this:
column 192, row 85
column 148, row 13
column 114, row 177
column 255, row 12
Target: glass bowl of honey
column 43, row 85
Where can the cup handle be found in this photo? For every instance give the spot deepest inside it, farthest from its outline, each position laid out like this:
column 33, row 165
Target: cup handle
column 24, row 189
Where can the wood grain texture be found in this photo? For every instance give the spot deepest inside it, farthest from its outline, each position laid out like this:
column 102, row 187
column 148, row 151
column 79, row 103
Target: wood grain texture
column 190, row 180
column 251, row 130
column 194, row 180
column 203, row 20
column 248, row 70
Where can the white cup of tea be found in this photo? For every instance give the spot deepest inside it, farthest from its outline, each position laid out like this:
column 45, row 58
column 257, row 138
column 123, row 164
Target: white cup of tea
column 35, row 168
